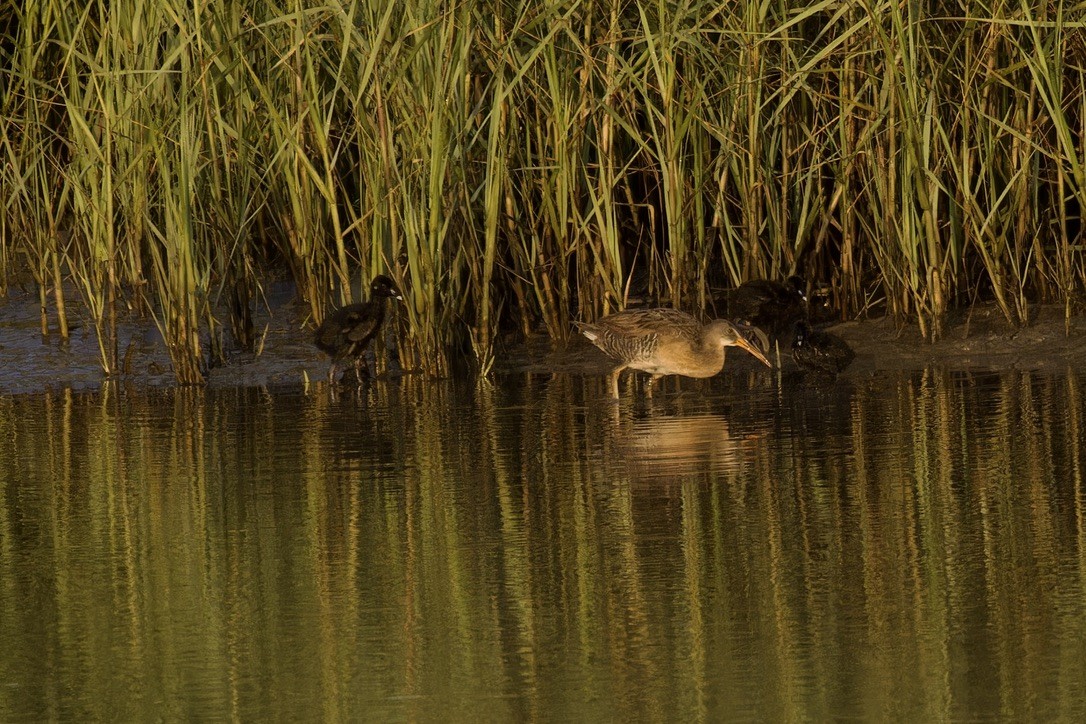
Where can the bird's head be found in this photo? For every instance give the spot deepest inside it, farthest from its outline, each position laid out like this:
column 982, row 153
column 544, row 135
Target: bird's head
column 383, row 287
column 730, row 335
column 800, row 334
column 799, row 286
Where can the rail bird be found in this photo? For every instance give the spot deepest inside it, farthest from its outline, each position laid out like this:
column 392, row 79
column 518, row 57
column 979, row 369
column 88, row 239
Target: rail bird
column 665, row 342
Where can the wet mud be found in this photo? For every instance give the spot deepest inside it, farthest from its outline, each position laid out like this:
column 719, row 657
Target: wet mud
column 976, row 338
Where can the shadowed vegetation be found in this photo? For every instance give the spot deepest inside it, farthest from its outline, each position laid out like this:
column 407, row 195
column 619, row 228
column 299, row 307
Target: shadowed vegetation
column 517, row 165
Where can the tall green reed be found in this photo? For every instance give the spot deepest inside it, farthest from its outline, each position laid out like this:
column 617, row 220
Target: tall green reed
column 518, row 165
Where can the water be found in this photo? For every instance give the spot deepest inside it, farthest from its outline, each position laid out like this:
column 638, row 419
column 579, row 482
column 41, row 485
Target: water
column 904, row 546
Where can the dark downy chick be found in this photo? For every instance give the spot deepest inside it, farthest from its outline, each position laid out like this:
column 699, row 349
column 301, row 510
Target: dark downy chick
column 820, row 351
column 774, row 307
column 347, row 331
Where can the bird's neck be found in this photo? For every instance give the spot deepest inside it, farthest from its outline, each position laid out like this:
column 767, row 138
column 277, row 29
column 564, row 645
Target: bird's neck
column 711, row 352
column 710, row 345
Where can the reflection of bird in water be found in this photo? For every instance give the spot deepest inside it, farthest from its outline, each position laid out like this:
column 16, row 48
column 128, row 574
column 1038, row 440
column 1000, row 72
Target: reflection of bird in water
column 820, row 351
column 346, row 332
column 773, row 307
column 668, row 445
column 665, row 342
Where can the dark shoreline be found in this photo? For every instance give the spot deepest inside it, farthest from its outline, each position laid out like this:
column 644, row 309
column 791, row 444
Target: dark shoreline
column 977, row 338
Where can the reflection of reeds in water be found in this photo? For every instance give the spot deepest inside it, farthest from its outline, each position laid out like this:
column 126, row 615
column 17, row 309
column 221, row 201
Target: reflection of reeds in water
column 956, row 520
column 419, row 544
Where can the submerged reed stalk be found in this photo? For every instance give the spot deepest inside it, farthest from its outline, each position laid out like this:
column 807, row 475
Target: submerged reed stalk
column 519, row 165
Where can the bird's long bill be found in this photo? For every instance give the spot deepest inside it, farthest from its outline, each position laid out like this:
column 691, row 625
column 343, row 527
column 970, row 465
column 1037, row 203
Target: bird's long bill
column 741, row 341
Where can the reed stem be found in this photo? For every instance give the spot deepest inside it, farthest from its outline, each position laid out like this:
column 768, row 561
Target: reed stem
column 518, row 165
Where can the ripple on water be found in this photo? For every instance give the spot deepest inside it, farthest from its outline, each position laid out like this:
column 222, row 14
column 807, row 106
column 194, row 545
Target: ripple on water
column 906, row 546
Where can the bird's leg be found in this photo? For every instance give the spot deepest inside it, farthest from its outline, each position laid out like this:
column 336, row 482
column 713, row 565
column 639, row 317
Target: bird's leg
column 332, row 374
column 358, row 368
column 613, row 377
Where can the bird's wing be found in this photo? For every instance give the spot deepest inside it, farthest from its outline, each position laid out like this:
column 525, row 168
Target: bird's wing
column 361, row 324
column 662, row 322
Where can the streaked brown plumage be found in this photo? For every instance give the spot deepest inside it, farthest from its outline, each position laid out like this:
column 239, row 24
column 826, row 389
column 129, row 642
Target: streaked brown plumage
column 665, row 342
column 347, row 331
column 819, row 351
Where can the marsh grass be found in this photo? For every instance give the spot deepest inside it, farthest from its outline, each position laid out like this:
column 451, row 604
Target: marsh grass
column 517, row 165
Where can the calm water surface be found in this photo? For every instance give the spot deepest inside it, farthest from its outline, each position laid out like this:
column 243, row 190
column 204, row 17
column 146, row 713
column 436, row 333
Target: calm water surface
column 905, row 546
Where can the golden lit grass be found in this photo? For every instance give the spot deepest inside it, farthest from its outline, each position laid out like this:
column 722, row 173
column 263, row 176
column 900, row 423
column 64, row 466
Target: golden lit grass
column 525, row 164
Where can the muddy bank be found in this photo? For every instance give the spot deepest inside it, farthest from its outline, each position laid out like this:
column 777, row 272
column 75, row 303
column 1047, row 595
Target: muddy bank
column 31, row 363
column 978, row 338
